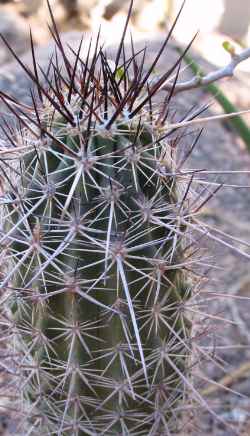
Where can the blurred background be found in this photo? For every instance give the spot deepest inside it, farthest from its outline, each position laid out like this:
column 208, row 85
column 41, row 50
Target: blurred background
column 215, row 20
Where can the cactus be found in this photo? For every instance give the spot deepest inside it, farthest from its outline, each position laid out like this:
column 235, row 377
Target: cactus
column 98, row 245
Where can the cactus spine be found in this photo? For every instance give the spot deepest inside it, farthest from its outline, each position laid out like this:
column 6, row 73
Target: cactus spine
column 97, row 251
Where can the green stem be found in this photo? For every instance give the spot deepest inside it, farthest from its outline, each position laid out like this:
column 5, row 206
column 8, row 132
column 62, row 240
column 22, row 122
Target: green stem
column 236, row 122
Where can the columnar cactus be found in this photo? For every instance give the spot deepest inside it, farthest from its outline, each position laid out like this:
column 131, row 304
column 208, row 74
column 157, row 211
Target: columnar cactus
column 97, row 249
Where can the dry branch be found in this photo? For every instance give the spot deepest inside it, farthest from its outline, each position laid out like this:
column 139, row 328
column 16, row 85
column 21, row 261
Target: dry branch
column 199, row 81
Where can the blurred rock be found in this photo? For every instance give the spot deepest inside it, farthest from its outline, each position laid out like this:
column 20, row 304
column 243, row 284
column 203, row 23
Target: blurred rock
column 14, row 28
column 146, row 14
column 24, row 7
column 77, row 13
column 71, row 6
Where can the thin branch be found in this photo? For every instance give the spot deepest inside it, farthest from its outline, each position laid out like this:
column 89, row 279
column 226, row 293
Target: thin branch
column 214, row 76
